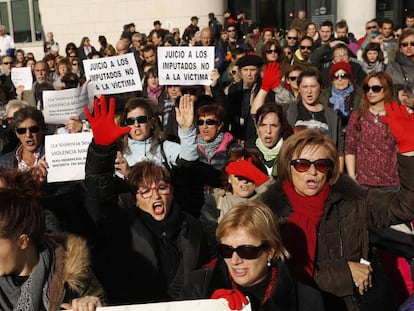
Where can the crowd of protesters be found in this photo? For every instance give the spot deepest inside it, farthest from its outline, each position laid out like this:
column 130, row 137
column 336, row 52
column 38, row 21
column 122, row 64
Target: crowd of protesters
column 288, row 179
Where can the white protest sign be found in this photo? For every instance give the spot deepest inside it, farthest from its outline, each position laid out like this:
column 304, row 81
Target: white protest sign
column 22, row 76
column 185, row 65
column 186, row 305
column 113, row 75
column 58, row 106
column 66, row 156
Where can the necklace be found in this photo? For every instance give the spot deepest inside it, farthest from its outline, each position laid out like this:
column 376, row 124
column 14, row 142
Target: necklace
column 377, row 114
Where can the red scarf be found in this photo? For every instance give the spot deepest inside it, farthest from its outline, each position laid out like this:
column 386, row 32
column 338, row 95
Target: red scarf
column 299, row 233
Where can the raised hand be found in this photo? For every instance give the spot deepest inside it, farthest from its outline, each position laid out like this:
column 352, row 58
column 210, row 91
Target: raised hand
column 271, row 76
column 105, row 130
column 234, row 297
column 401, row 125
column 185, row 111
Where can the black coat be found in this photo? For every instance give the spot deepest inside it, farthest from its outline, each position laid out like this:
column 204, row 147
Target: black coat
column 129, row 255
column 287, row 295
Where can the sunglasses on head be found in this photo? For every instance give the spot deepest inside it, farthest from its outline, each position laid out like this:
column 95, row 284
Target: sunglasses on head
column 374, row 88
column 243, row 251
column 201, row 122
column 292, row 78
column 306, row 47
column 405, row 44
column 342, row 76
column 32, row 129
column 303, row 165
column 271, row 51
column 139, row 119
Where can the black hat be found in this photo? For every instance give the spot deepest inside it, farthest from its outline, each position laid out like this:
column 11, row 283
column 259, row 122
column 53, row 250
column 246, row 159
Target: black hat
column 194, row 17
column 157, row 22
column 249, row 60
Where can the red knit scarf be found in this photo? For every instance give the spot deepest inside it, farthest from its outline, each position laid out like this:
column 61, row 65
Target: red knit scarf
column 299, row 234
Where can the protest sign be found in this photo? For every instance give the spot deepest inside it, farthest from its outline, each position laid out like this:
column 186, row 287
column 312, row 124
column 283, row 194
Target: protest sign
column 185, row 65
column 113, row 75
column 187, row 305
column 66, row 156
column 58, row 106
column 22, row 76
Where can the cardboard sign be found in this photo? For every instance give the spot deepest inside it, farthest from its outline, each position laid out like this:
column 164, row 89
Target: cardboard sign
column 113, row 75
column 185, row 65
column 58, row 106
column 66, row 156
column 22, row 76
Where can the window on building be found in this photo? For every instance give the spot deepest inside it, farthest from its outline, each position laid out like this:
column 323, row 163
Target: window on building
column 22, row 19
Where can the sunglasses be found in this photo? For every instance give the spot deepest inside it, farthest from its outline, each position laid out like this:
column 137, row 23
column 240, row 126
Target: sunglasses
column 271, row 51
column 75, row 64
column 303, row 165
column 292, row 38
column 210, row 122
column 306, row 47
column 342, row 76
column 374, row 88
column 234, row 72
column 243, row 251
column 371, row 27
column 292, row 78
column 405, row 44
column 231, row 30
column 139, row 119
column 32, row 129
column 8, row 63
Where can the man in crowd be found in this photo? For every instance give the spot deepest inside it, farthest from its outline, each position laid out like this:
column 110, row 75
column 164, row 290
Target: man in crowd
column 6, row 43
column 370, row 27
column 191, row 29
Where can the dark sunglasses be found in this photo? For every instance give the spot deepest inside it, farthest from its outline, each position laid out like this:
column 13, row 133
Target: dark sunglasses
column 371, row 27
column 139, row 119
column 231, row 30
column 234, row 72
column 293, row 78
column 405, row 44
column 243, row 251
column 374, row 88
column 306, row 47
column 8, row 63
column 208, row 122
column 292, row 38
column 75, row 64
column 271, row 51
column 32, row 129
column 342, row 76
column 303, row 165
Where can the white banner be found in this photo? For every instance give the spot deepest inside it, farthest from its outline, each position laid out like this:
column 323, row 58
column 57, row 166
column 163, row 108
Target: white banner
column 58, row 106
column 66, row 156
column 185, row 65
column 113, row 75
column 187, row 305
column 22, row 76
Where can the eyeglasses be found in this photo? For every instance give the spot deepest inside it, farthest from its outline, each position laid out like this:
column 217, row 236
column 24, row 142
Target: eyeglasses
column 139, row 119
column 405, row 44
column 292, row 38
column 75, row 64
column 303, row 165
column 146, row 193
column 292, row 78
column 271, row 51
column 342, row 76
column 371, row 27
column 209, row 122
column 231, row 30
column 374, row 88
column 243, row 251
column 139, row 41
column 32, row 129
column 8, row 63
column 306, row 47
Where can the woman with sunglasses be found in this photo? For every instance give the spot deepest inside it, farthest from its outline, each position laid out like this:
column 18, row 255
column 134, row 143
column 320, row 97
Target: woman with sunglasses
column 271, row 51
column 402, row 68
column 251, row 263
column 326, row 216
column 145, row 140
column 244, row 178
column 146, row 245
column 343, row 95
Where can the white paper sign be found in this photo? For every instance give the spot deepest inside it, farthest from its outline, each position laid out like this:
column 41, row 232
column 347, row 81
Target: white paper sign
column 66, row 156
column 113, row 75
column 187, row 305
column 58, row 106
column 185, row 65
column 22, row 76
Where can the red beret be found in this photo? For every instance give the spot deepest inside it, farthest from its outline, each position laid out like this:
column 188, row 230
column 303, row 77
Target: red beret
column 340, row 65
